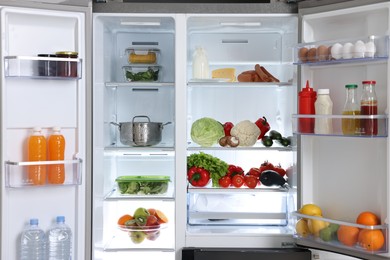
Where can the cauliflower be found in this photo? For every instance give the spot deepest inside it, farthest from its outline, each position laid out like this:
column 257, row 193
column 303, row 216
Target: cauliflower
column 246, row 132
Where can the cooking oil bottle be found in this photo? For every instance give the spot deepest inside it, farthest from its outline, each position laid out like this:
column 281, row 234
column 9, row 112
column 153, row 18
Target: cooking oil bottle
column 350, row 125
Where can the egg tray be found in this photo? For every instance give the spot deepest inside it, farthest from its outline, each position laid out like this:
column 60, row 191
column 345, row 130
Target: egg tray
column 348, row 50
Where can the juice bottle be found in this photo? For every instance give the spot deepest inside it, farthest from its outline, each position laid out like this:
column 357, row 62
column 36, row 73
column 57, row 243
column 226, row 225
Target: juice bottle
column 369, row 106
column 37, row 152
column 56, row 174
column 351, row 126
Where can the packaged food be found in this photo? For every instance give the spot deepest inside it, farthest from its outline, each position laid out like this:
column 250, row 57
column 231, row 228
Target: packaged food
column 143, row 185
column 141, row 73
column 142, row 55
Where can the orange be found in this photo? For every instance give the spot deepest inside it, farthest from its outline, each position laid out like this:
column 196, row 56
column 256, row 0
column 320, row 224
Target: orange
column 348, row 235
column 122, row 220
column 371, row 239
column 161, row 217
column 367, row 218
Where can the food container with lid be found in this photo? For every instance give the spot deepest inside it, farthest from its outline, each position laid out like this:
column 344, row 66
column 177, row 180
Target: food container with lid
column 47, row 67
column 142, row 55
column 142, row 73
column 67, row 68
column 143, row 185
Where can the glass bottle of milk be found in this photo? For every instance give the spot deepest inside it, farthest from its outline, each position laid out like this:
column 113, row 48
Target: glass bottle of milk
column 323, row 106
column 200, row 64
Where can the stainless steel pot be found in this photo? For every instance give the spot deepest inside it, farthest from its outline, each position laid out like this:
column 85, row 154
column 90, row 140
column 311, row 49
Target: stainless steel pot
column 140, row 133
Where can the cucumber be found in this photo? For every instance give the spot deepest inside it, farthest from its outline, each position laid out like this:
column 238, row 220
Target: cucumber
column 275, row 135
column 267, row 141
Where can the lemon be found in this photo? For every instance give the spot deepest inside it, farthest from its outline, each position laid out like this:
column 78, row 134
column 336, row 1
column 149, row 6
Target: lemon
column 315, row 225
column 311, row 210
column 302, row 228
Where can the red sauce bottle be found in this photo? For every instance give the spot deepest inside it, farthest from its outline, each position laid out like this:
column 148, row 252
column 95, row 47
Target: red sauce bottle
column 306, row 99
column 369, row 106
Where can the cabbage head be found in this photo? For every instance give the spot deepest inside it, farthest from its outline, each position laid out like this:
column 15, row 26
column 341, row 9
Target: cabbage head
column 206, row 131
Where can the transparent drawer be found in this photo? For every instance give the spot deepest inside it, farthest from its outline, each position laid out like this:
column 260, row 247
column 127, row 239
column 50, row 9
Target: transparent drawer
column 261, row 208
column 42, row 67
column 348, row 50
column 18, row 174
column 142, row 55
column 367, row 239
column 142, row 73
column 342, row 125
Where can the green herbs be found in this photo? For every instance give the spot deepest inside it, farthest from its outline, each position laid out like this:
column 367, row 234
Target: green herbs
column 214, row 165
column 148, row 75
column 143, row 185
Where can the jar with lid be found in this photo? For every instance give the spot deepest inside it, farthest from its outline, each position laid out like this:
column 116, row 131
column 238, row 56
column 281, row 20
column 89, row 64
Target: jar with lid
column 307, row 97
column 67, row 68
column 46, row 66
column 323, row 106
column 350, row 125
column 369, row 106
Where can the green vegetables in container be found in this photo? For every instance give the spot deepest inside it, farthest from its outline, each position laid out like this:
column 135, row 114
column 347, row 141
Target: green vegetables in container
column 138, row 73
column 143, row 185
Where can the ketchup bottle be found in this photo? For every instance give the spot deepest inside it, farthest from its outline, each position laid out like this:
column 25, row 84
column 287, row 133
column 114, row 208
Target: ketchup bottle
column 306, row 99
column 369, row 106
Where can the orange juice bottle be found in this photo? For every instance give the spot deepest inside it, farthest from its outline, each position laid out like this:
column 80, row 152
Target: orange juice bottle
column 37, row 152
column 56, row 174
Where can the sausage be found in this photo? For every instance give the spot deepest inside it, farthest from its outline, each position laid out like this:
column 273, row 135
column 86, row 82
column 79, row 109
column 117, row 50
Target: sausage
column 262, row 75
column 271, row 78
column 246, row 76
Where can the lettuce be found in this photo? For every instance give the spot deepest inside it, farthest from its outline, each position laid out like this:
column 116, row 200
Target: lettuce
column 206, row 131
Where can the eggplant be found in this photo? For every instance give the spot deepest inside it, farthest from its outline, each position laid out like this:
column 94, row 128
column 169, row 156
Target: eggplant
column 272, row 178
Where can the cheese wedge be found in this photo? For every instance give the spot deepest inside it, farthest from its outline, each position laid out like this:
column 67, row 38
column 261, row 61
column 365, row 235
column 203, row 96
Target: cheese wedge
column 227, row 73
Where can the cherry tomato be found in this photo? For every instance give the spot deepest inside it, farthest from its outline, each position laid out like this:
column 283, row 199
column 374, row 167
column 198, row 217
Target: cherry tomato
column 225, row 181
column 255, row 172
column 280, row 170
column 238, row 181
column 251, row 181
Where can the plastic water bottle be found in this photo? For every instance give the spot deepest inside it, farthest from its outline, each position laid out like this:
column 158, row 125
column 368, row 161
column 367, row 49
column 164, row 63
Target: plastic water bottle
column 59, row 238
column 33, row 242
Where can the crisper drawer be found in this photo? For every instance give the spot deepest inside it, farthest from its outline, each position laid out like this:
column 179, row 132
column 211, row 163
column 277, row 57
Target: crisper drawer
column 238, row 207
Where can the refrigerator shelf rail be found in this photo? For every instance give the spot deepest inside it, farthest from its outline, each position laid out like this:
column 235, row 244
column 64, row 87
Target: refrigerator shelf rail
column 43, row 67
column 140, row 86
column 16, row 173
column 233, row 190
column 257, row 146
column 333, row 225
column 363, row 49
column 337, row 120
column 115, row 195
column 218, row 83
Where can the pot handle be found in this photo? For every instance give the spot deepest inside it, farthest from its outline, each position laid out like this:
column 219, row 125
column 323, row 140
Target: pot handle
column 141, row 117
column 113, row 123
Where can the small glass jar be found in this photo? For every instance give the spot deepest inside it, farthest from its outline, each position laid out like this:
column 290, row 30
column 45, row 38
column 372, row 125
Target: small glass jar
column 47, row 67
column 67, row 68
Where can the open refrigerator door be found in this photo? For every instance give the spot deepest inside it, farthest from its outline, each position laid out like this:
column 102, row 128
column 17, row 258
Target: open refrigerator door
column 40, row 90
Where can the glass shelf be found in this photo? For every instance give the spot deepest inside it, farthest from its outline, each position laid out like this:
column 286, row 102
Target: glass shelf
column 304, row 125
column 331, row 237
column 16, row 173
column 216, row 83
column 42, row 67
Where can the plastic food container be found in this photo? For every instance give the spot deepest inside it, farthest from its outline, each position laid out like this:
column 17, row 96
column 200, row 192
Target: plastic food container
column 143, row 185
column 67, row 68
column 142, row 55
column 142, row 73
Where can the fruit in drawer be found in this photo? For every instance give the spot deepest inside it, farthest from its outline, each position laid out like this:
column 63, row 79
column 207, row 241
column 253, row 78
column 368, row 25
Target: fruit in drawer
column 367, row 218
column 301, row 228
column 140, row 216
column 316, row 225
column 125, row 220
column 152, row 235
column 311, row 210
column 348, row 235
column 329, row 233
column 371, row 239
column 137, row 236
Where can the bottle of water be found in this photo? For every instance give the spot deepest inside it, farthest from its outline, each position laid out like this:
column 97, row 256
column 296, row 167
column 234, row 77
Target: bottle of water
column 33, row 242
column 59, row 238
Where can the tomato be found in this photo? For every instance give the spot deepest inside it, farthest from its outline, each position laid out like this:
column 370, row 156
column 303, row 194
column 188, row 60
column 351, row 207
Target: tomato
column 255, row 172
column 280, row 170
column 234, row 170
column 238, row 181
column 266, row 166
column 251, row 181
column 225, row 181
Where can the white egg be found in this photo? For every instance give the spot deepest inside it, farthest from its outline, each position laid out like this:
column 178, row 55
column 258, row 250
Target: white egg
column 347, row 50
column 370, row 49
column 337, row 51
column 359, row 49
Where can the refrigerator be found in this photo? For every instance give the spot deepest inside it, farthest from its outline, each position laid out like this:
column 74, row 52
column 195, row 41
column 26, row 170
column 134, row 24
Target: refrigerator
column 35, row 94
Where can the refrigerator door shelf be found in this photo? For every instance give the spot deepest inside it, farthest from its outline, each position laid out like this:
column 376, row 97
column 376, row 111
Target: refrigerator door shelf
column 42, row 67
column 16, row 173
column 326, row 231
column 337, row 121
column 372, row 48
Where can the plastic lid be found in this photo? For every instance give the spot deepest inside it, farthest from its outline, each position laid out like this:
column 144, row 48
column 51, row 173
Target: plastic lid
column 351, row 86
column 144, row 178
column 323, row 91
column 37, row 130
column 34, row 221
column 307, row 91
column 369, row 82
column 56, row 129
column 60, row 219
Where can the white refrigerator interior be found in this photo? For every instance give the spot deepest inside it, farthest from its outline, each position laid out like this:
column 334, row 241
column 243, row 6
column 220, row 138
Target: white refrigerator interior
column 128, row 47
column 30, row 99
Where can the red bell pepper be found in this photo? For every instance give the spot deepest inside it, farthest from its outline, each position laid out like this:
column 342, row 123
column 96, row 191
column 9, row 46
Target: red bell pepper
column 227, row 127
column 263, row 125
column 198, row 177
